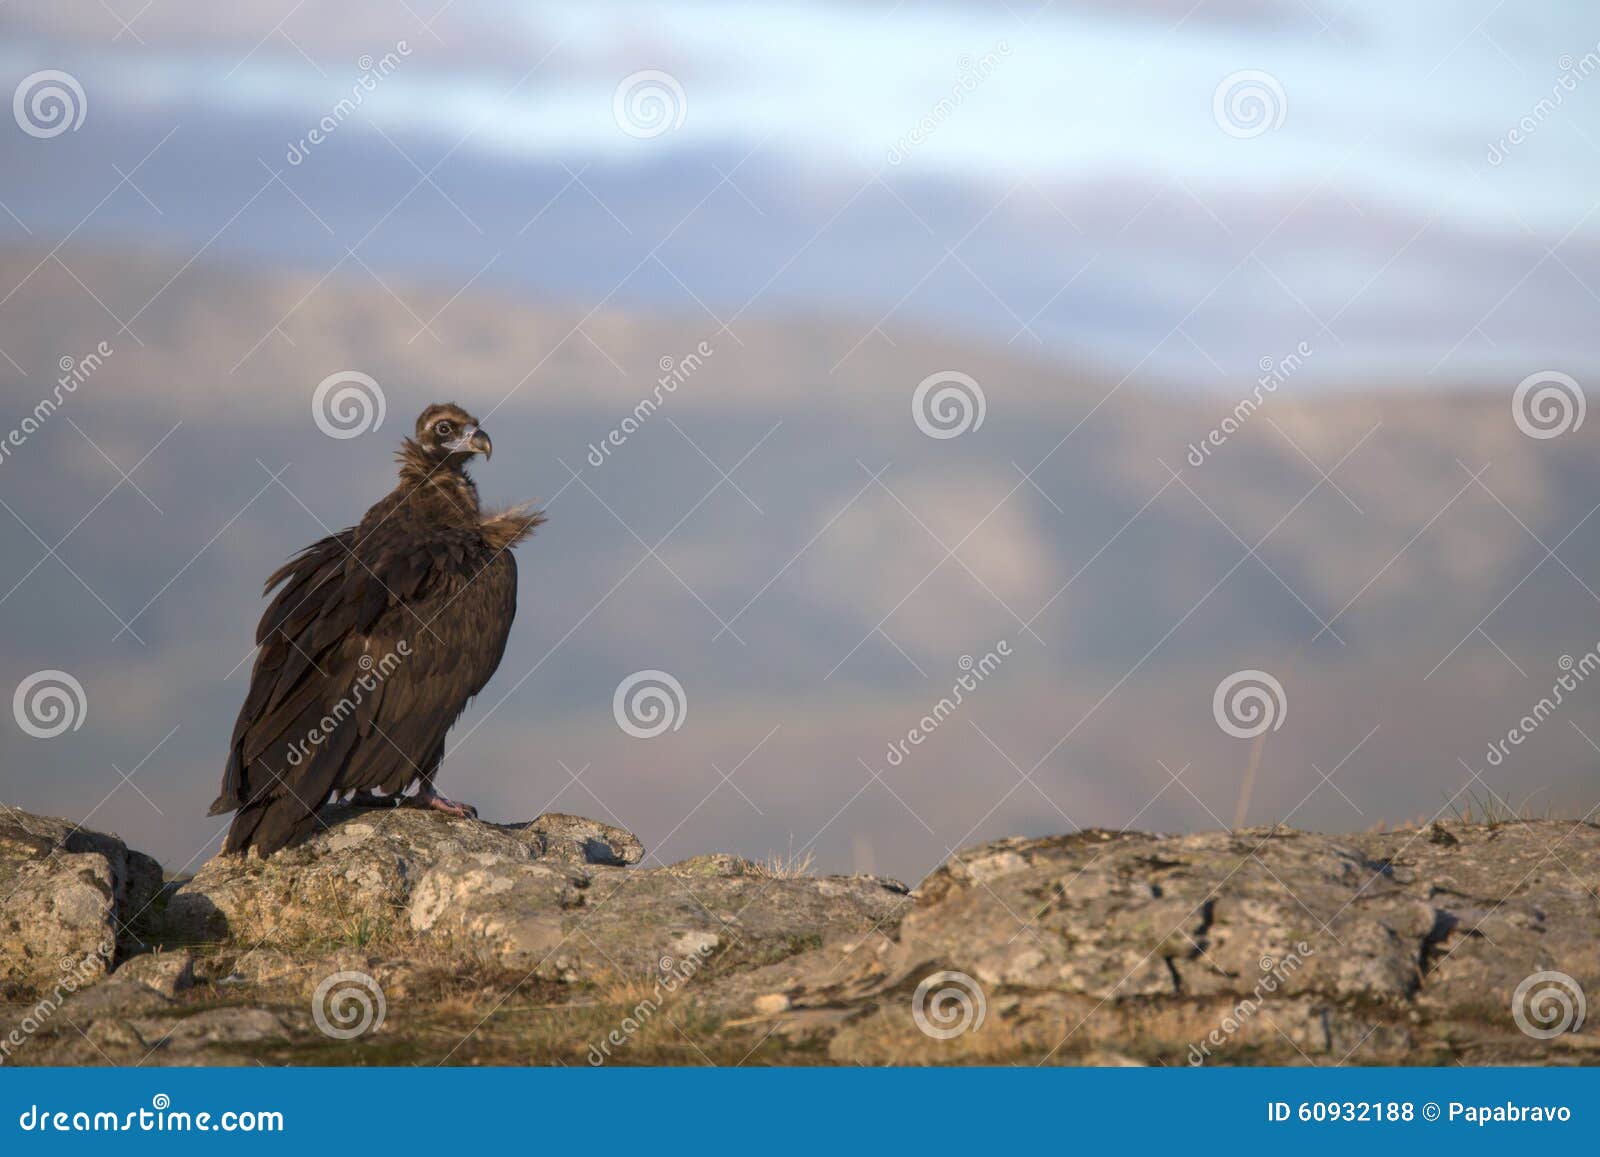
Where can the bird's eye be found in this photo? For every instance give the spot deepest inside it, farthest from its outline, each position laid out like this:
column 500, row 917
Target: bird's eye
column 443, row 428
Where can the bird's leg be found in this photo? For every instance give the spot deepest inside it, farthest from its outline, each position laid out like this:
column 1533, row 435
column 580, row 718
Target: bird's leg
column 430, row 800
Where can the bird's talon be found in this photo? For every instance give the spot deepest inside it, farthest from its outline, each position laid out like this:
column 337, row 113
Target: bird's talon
column 433, row 801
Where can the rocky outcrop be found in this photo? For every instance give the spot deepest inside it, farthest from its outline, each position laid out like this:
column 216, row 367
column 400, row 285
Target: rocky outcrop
column 555, row 940
column 560, row 898
column 565, row 922
column 1255, row 946
column 361, row 866
column 67, row 898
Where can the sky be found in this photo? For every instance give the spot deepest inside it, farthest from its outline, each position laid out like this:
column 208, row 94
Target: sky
column 1108, row 221
column 1076, row 162
column 837, row 84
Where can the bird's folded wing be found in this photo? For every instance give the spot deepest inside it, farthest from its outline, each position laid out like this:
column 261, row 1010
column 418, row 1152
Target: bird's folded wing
column 382, row 638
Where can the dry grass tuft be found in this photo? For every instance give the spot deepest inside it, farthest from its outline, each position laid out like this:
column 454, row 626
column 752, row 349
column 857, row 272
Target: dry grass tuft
column 793, row 866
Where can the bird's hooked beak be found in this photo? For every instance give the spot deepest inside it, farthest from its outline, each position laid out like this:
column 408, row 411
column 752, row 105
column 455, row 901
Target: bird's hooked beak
column 472, row 441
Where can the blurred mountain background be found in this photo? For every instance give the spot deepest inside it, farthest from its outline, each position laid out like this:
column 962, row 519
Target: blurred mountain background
column 1060, row 202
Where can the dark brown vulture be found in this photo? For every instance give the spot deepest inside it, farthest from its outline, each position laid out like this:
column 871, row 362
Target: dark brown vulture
column 376, row 641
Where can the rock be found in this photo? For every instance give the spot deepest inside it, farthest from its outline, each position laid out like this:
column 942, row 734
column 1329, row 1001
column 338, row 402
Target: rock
column 350, row 879
column 1396, row 944
column 212, row 1027
column 168, row 973
column 1117, row 948
column 552, row 897
column 111, row 1035
column 562, row 922
column 501, row 910
column 69, row 898
column 1437, row 833
column 260, row 971
column 716, row 864
column 576, row 840
column 641, row 922
column 1149, row 916
column 117, row 997
column 356, row 874
column 258, row 965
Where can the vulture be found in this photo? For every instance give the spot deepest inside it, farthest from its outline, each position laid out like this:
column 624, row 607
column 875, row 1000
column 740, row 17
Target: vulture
column 376, row 640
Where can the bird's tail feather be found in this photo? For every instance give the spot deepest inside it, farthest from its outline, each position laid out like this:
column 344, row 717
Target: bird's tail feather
column 268, row 825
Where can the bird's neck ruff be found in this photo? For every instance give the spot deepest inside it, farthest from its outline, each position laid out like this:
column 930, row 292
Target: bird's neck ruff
column 425, row 475
column 425, row 478
column 505, row 528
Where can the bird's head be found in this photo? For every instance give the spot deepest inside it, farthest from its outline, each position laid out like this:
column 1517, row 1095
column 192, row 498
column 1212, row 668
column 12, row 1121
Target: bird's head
column 448, row 437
